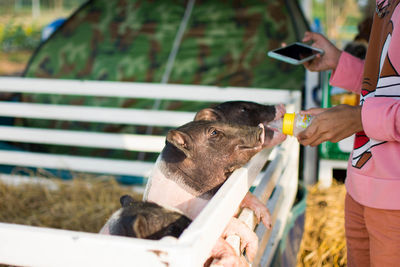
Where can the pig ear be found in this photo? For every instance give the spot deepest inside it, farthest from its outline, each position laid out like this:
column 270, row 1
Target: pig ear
column 207, row 114
column 140, row 226
column 180, row 140
column 126, row 200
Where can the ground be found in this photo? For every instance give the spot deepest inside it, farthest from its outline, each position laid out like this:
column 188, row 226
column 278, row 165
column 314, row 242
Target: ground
column 13, row 63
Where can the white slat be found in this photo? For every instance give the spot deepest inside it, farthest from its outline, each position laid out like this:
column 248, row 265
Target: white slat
column 39, row 246
column 95, row 114
column 132, row 142
column 75, row 163
column 286, row 189
column 146, row 90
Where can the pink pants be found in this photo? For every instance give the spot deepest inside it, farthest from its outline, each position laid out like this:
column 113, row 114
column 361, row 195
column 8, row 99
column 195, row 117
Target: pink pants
column 372, row 235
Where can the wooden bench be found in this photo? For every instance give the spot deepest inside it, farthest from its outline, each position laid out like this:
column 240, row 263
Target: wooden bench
column 272, row 173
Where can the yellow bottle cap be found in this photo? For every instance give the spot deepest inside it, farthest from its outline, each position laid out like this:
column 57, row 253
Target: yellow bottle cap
column 287, row 125
column 349, row 99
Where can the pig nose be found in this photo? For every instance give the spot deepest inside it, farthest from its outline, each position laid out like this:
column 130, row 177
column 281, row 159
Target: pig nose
column 280, row 111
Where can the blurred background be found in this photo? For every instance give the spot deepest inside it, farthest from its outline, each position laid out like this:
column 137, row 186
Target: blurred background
column 23, row 24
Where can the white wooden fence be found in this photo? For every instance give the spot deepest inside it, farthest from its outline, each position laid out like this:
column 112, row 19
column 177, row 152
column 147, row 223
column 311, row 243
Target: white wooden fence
column 39, row 246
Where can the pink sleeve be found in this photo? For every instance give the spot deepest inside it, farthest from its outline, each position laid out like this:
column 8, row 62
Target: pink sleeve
column 381, row 118
column 349, row 73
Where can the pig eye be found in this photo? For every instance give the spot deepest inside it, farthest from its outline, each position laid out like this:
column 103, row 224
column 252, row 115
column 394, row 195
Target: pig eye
column 244, row 109
column 214, row 132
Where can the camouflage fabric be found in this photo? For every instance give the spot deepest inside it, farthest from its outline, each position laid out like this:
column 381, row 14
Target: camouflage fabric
column 225, row 44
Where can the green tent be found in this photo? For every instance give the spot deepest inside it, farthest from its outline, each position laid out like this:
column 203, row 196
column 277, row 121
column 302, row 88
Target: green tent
column 223, row 43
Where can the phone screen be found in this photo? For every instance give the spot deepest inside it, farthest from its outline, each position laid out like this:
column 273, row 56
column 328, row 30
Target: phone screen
column 296, row 51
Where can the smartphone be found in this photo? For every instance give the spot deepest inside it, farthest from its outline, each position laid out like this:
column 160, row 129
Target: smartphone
column 296, row 53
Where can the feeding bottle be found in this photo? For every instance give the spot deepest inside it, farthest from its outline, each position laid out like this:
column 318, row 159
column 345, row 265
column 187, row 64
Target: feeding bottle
column 292, row 123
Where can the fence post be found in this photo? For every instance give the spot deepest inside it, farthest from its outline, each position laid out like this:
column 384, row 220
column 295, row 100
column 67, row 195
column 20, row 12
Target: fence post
column 35, row 8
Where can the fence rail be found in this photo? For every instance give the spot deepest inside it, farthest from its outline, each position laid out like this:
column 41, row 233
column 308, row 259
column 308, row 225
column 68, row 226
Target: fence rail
column 35, row 246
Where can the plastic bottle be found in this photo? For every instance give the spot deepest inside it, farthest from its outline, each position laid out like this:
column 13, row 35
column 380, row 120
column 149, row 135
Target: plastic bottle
column 292, row 123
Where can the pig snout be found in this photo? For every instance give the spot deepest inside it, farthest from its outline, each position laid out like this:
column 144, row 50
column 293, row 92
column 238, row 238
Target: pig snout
column 273, row 137
column 280, row 110
column 276, row 139
column 256, row 140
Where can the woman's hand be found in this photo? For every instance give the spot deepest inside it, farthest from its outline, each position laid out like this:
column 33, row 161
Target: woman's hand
column 333, row 124
column 327, row 61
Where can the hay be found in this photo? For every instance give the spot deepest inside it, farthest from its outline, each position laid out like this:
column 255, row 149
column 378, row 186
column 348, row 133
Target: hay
column 323, row 242
column 80, row 205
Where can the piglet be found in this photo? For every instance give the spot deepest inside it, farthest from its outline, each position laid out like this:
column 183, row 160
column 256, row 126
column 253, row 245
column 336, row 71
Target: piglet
column 148, row 220
column 249, row 114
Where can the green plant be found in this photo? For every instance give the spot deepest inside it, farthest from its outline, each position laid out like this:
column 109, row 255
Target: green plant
column 18, row 37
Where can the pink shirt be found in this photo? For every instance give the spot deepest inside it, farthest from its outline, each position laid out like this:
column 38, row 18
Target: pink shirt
column 373, row 174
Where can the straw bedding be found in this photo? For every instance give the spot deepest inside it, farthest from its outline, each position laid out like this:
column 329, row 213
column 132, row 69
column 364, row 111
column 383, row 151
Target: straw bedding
column 323, row 242
column 81, row 204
